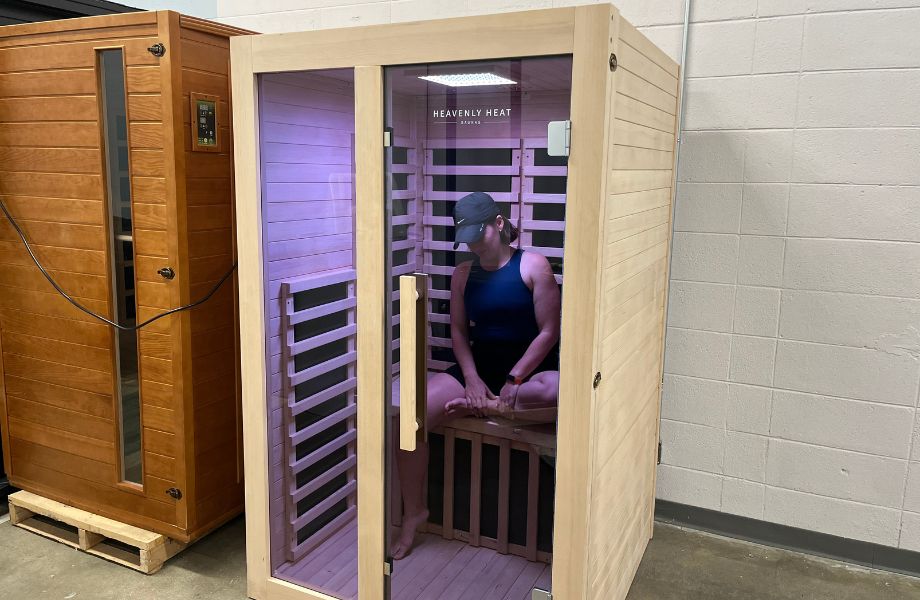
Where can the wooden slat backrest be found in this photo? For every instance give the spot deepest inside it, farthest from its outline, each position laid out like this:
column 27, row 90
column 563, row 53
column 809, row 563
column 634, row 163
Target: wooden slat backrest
column 318, row 419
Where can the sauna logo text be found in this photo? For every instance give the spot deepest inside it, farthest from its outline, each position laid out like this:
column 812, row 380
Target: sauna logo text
column 471, row 116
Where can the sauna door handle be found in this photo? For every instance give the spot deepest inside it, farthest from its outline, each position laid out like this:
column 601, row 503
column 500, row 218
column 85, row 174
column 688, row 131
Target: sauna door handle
column 413, row 359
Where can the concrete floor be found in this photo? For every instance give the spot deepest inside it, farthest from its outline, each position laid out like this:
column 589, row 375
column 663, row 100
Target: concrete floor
column 680, row 565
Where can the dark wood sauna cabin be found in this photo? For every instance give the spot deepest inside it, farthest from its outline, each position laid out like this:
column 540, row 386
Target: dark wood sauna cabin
column 116, row 163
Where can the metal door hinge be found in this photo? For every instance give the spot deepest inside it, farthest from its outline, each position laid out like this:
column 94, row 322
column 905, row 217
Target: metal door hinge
column 597, row 379
column 538, row 594
column 558, row 138
column 613, row 62
column 388, row 137
column 388, row 566
column 659, row 452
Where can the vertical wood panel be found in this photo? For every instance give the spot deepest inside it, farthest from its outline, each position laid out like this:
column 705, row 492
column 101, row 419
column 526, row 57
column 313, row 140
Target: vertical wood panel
column 373, row 310
column 634, row 271
column 211, row 171
column 178, row 326
column 253, row 327
column 595, row 31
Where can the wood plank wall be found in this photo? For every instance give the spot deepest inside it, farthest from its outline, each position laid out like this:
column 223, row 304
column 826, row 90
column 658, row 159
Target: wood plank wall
column 307, row 127
column 216, row 417
column 635, row 255
column 57, row 362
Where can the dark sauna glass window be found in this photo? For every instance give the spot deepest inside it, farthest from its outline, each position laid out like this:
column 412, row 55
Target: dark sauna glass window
column 442, row 234
column 542, row 159
column 549, row 212
column 320, row 325
column 471, row 156
column 317, row 384
column 400, row 207
column 320, row 354
column 549, row 185
column 400, row 181
column 441, row 330
column 320, row 412
column 118, row 190
column 400, row 258
column 320, row 296
column 472, row 183
column 400, row 233
column 442, row 258
column 547, row 239
column 400, row 155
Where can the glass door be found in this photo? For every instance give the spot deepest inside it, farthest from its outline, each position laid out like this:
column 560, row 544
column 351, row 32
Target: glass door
column 307, row 153
column 475, row 221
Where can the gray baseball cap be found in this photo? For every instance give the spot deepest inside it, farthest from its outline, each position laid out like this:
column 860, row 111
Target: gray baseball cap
column 471, row 214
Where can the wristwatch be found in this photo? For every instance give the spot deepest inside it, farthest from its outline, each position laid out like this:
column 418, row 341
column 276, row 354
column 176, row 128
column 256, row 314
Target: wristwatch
column 514, row 379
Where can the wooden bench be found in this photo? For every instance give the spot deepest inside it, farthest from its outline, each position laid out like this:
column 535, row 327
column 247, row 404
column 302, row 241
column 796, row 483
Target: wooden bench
column 538, row 442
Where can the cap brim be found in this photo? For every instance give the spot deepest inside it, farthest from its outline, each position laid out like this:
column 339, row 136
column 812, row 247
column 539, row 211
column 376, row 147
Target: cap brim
column 467, row 234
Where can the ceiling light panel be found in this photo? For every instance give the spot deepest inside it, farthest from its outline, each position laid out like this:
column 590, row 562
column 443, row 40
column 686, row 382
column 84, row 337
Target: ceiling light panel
column 468, row 79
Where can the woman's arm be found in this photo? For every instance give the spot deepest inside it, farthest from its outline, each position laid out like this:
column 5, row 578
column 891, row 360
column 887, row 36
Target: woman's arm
column 477, row 394
column 537, row 272
column 459, row 324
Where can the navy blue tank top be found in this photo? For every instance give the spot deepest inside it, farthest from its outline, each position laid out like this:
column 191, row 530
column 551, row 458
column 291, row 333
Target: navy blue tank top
column 499, row 304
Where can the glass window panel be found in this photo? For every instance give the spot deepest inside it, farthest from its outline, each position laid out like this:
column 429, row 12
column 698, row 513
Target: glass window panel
column 118, row 190
column 306, row 128
column 489, row 137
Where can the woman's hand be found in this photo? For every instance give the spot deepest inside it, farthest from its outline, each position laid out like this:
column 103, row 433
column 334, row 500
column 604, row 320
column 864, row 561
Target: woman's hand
column 508, row 396
column 477, row 395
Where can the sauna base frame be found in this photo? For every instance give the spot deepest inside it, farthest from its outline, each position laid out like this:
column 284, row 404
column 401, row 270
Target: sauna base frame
column 92, row 532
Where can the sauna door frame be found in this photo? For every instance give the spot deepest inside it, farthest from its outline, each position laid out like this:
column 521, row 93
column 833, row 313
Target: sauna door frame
column 589, row 34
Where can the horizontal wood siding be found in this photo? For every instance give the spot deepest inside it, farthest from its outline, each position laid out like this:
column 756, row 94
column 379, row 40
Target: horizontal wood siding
column 57, row 362
column 216, row 417
column 634, row 258
column 307, row 148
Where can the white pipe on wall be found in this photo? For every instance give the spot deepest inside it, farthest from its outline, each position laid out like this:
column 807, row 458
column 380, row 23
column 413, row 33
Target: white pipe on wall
column 679, row 124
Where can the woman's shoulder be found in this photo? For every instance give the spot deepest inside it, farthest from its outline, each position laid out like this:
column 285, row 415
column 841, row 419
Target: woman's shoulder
column 533, row 260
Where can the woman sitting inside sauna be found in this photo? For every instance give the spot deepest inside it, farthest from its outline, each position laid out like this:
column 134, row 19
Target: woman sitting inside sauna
column 504, row 323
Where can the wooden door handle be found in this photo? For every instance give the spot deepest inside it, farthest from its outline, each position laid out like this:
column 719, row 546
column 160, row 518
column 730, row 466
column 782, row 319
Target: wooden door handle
column 413, row 360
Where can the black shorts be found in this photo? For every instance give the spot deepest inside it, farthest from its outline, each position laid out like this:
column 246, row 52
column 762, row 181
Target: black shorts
column 494, row 360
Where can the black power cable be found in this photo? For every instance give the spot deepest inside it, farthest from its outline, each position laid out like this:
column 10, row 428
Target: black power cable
column 67, row 297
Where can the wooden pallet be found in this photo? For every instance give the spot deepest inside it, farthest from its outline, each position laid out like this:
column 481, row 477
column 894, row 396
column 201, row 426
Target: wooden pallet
column 139, row 549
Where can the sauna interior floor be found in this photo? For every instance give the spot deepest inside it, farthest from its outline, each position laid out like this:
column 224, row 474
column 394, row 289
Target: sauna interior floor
column 437, row 569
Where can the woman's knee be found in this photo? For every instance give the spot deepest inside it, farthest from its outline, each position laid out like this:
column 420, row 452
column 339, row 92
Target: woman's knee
column 442, row 388
column 542, row 389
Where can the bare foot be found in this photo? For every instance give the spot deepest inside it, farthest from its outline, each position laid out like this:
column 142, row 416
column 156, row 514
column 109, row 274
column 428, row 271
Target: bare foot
column 410, row 524
column 492, row 407
column 457, row 404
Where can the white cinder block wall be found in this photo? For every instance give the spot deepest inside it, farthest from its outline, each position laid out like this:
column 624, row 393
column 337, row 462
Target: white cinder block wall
column 793, row 351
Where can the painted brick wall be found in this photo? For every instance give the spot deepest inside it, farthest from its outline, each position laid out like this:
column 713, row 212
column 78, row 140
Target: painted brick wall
column 793, row 352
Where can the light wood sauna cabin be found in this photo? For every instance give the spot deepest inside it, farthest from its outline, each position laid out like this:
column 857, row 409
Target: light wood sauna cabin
column 353, row 148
